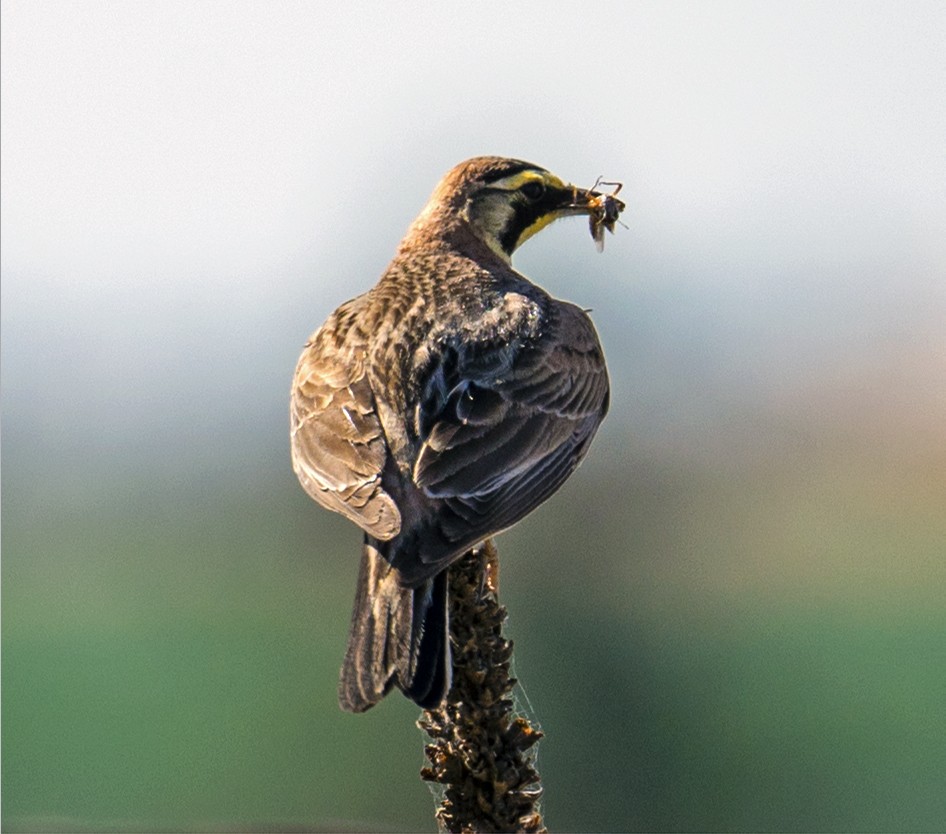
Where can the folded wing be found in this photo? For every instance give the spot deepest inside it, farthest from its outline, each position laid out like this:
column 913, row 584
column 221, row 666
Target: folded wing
column 503, row 426
column 338, row 445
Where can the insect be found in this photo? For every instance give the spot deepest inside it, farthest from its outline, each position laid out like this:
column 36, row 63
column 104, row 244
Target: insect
column 605, row 210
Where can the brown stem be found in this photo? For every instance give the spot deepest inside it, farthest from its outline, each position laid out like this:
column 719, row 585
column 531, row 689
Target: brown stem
column 480, row 750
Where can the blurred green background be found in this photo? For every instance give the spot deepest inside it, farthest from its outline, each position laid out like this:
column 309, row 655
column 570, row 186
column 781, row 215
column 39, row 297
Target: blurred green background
column 731, row 618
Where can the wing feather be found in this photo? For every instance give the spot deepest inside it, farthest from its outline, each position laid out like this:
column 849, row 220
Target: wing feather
column 505, row 430
column 337, row 441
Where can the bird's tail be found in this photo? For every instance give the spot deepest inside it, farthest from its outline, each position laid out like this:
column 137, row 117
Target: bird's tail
column 398, row 637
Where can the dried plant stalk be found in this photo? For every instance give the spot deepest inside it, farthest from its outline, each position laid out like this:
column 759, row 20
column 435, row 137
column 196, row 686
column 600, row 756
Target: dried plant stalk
column 481, row 752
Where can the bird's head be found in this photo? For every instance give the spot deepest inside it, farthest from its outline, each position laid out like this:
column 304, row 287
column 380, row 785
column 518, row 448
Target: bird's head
column 504, row 202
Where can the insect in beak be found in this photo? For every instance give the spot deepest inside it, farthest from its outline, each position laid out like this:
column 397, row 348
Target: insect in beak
column 603, row 210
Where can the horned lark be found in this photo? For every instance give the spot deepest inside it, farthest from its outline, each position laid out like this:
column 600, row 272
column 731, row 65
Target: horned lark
column 442, row 406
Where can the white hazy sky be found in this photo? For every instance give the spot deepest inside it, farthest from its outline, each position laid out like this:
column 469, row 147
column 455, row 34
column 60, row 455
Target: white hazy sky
column 183, row 180
column 164, row 139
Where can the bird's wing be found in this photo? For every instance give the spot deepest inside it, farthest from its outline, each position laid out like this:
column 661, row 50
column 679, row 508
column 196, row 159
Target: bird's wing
column 337, row 442
column 503, row 426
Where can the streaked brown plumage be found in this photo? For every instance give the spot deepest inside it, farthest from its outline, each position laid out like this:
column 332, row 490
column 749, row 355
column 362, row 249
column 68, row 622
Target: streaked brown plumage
column 441, row 407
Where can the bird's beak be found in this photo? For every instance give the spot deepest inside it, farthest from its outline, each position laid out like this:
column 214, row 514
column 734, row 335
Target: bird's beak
column 579, row 200
column 588, row 201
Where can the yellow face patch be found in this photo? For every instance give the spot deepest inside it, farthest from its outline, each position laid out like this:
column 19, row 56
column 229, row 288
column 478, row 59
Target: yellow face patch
column 538, row 226
column 516, row 181
column 508, row 211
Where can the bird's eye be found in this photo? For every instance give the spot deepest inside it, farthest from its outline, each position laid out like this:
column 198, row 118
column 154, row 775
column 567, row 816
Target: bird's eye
column 533, row 190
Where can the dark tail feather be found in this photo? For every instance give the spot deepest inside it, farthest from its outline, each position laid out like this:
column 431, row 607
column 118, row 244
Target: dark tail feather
column 398, row 638
column 431, row 678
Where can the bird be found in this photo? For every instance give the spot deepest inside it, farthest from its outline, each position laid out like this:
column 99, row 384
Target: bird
column 442, row 406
